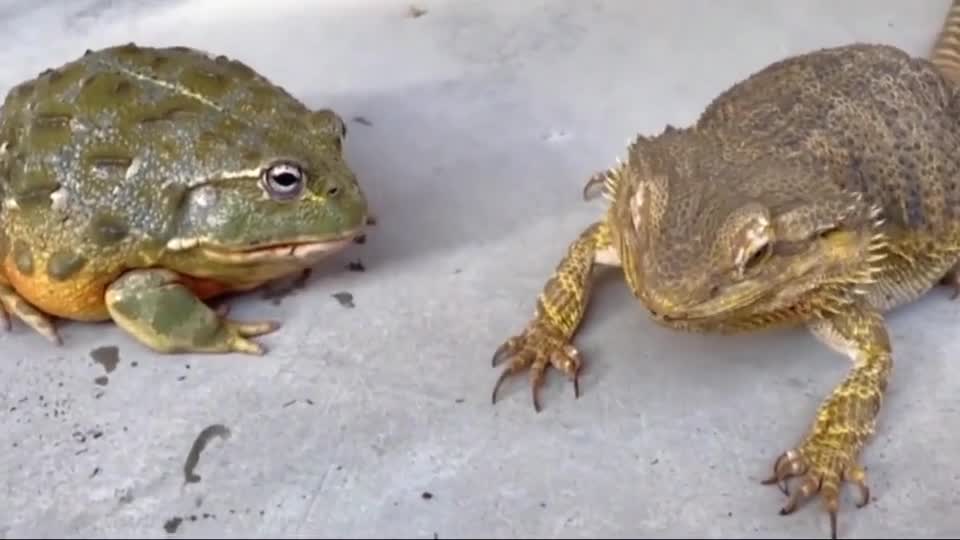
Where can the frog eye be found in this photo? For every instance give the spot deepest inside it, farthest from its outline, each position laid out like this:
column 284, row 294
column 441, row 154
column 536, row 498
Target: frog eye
column 283, row 181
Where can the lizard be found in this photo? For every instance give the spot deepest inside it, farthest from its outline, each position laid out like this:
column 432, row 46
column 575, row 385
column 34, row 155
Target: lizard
column 822, row 190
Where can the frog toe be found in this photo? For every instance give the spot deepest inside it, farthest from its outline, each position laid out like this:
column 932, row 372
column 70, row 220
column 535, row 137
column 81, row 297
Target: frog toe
column 166, row 316
column 12, row 303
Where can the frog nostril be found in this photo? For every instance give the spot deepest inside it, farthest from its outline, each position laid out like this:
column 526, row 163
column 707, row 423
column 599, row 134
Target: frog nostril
column 333, row 191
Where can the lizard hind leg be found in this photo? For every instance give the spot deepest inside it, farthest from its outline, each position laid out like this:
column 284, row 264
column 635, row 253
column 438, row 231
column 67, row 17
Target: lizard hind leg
column 546, row 340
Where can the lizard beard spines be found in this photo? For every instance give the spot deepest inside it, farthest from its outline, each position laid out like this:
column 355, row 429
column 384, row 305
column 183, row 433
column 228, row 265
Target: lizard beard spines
column 877, row 248
column 609, row 182
column 876, row 255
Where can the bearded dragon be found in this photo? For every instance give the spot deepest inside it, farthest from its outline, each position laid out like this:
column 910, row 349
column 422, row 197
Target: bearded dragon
column 822, row 190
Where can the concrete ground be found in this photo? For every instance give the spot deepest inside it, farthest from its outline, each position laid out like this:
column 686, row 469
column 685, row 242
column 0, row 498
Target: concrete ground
column 473, row 126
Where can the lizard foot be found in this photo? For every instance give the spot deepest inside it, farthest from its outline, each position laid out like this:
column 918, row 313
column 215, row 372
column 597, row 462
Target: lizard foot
column 594, row 186
column 536, row 348
column 822, row 465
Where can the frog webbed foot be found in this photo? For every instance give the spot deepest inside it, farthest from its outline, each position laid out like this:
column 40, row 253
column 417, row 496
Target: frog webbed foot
column 168, row 317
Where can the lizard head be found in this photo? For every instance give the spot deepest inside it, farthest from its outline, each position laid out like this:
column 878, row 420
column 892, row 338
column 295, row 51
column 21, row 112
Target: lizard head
column 704, row 238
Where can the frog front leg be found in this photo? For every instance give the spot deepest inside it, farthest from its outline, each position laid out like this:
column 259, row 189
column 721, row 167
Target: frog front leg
column 165, row 315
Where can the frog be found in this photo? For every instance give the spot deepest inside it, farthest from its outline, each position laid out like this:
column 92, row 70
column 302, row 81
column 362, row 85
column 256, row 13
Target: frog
column 138, row 184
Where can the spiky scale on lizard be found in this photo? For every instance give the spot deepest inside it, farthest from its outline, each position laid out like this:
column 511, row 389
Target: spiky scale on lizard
column 823, row 190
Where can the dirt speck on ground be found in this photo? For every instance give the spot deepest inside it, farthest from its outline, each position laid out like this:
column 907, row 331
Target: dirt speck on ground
column 107, row 356
column 193, row 458
column 345, row 299
column 415, row 12
column 172, row 524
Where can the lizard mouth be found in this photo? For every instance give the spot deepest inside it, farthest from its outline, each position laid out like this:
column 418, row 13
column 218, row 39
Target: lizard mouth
column 736, row 299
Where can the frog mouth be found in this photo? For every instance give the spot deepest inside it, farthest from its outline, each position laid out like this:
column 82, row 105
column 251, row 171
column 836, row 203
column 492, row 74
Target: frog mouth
column 297, row 251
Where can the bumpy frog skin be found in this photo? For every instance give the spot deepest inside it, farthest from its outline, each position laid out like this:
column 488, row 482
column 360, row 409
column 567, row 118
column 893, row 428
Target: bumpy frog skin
column 137, row 183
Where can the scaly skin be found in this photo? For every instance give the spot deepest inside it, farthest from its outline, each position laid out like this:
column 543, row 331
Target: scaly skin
column 822, row 191
column 828, row 454
column 139, row 182
column 945, row 53
column 560, row 309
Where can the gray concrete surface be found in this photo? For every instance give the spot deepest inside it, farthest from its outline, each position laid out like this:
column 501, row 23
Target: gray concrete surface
column 485, row 118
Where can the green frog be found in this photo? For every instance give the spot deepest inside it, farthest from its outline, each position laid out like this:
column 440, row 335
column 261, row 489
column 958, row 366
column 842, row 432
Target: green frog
column 138, row 183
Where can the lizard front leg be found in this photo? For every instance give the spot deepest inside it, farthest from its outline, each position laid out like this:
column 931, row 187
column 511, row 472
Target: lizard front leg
column 162, row 313
column 846, row 419
column 561, row 305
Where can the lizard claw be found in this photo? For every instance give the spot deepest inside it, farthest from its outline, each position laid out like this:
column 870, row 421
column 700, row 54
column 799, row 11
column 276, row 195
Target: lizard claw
column 821, row 468
column 536, row 349
column 594, row 186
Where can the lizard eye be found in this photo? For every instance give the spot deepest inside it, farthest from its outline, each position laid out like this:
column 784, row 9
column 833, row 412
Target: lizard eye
column 759, row 255
column 283, row 181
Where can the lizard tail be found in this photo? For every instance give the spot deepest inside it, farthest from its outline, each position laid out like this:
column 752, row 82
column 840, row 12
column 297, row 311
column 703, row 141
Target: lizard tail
column 946, row 49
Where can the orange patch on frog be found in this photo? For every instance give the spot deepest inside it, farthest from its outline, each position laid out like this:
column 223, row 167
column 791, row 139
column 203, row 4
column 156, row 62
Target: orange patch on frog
column 81, row 298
